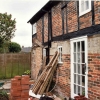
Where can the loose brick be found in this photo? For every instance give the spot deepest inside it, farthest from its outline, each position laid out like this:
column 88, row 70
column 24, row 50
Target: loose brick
column 18, row 77
column 25, row 93
column 16, row 98
column 16, row 87
column 15, row 93
column 24, row 81
column 25, row 76
column 25, row 87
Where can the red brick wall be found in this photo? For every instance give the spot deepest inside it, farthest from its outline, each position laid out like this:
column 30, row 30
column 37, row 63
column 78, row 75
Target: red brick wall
column 72, row 20
column 56, row 20
column 85, row 20
column 72, row 16
column 94, row 76
column 39, row 30
column 36, row 62
column 94, row 67
column 63, row 81
column 97, row 12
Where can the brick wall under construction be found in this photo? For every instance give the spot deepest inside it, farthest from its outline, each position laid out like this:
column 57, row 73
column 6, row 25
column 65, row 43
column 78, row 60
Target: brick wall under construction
column 20, row 88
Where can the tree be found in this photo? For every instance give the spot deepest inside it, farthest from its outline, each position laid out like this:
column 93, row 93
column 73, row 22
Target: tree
column 7, row 27
column 14, row 47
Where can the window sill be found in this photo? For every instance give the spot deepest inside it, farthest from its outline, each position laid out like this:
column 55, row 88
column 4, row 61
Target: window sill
column 85, row 12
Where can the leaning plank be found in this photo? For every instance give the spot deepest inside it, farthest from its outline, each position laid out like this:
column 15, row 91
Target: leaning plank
column 43, row 86
column 42, row 76
column 40, row 82
column 43, row 66
column 50, row 80
column 45, row 83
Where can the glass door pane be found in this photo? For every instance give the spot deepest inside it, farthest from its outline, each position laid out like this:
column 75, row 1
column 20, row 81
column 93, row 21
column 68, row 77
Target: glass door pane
column 79, row 66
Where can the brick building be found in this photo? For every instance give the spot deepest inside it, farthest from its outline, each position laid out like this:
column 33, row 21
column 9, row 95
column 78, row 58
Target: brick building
column 72, row 28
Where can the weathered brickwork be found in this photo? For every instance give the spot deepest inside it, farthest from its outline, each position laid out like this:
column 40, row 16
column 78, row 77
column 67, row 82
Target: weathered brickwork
column 39, row 30
column 70, row 19
column 64, row 76
column 97, row 12
column 63, row 72
column 36, row 62
column 85, row 20
column 45, row 27
column 94, row 67
column 94, row 44
column 72, row 23
column 56, row 20
column 65, row 20
column 94, row 76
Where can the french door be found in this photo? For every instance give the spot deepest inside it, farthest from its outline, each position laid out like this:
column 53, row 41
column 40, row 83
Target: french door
column 79, row 69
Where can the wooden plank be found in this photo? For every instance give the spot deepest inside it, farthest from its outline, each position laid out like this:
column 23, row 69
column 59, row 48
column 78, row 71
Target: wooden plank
column 42, row 82
column 44, row 85
column 51, row 78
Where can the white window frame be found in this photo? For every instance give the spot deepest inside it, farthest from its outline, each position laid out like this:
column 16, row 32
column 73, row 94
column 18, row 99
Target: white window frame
column 34, row 28
column 44, row 52
column 86, row 11
column 83, row 38
column 60, row 55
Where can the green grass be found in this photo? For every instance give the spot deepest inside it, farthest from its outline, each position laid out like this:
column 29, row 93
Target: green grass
column 10, row 70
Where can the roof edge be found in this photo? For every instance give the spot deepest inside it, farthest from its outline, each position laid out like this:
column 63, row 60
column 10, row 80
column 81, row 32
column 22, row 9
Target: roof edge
column 42, row 11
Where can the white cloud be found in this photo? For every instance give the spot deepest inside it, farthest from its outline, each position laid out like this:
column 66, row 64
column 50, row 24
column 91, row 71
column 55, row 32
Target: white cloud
column 22, row 10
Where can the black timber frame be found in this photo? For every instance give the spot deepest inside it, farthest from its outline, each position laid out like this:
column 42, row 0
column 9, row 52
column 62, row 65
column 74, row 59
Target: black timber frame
column 94, row 29
column 93, row 17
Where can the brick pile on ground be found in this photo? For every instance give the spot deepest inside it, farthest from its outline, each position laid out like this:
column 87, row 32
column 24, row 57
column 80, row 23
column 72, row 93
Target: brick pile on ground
column 20, row 87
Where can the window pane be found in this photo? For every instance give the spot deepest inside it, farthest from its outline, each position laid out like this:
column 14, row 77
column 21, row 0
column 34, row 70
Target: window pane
column 75, row 47
column 78, row 57
column 83, row 57
column 75, row 89
column 83, row 80
column 83, row 46
column 74, row 78
column 79, row 79
column 74, row 68
column 82, row 5
column 34, row 28
column 83, row 91
column 78, row 90
column 60, row 53
column 79, row 69
column 83, row 69
column 86, row 4
column 74, row 57
column 78, row 46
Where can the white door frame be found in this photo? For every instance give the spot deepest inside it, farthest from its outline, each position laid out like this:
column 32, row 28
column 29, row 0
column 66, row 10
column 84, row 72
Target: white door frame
column 83, row 38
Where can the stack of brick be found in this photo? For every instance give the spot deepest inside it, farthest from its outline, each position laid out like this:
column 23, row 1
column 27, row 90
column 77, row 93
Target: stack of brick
column 20, row 88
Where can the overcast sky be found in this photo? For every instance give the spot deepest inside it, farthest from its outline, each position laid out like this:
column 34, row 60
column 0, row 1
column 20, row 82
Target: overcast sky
column 22, row 10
